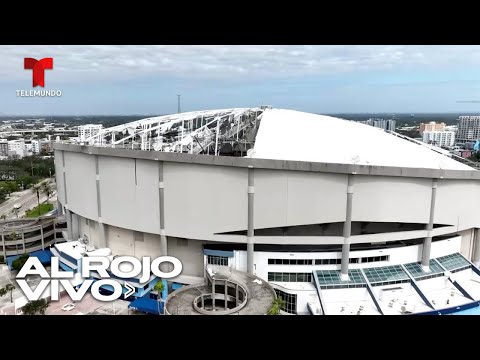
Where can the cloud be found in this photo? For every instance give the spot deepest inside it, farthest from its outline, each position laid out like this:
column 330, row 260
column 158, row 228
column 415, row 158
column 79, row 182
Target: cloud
column 80, row 63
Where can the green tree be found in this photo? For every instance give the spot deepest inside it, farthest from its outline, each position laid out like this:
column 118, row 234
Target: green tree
column 36, row 307
column 159, row 287
column 8, row 186
column 18, row 263
column 277, row 305
column 26, row 181
column 36, row 190
column 5, row 290
column 3, row 216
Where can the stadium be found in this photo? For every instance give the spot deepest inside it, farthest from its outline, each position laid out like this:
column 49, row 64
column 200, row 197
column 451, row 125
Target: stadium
column 338, row 217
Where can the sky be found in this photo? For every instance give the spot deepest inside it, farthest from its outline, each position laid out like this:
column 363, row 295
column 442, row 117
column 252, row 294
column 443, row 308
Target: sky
column 325, row 79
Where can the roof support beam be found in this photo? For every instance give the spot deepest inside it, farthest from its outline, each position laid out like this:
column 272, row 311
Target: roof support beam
column 372, row 295
column 319, row 293
column 455, row 282
column 417, row 289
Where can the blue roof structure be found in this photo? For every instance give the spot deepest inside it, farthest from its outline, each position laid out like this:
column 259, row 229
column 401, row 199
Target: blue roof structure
column 44, row 256
column 147, row 305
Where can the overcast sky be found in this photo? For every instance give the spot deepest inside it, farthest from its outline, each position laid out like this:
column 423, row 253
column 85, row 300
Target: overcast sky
column 137, row 79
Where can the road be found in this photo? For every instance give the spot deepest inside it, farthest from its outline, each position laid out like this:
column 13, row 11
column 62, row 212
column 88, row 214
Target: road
column 27, row 199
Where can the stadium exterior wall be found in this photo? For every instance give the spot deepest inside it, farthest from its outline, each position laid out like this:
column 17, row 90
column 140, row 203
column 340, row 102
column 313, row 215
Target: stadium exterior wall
column 206, row 196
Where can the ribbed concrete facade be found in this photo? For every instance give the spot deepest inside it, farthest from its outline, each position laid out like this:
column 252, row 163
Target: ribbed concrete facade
column 114, row 198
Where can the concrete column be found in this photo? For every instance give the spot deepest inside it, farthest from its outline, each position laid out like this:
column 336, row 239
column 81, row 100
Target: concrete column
column 64, row 178
column 54, row 231
column 102, row 242
column 68, row 214
column 476, row 249
column 43, row 240
column 213, row 294
column 226, row 294
column 75, row 232
column 4, row 249
column 236, row 295
column 102, row 235
column 427, row 243
column 250, row 224
column 347, row 230
column 161, row 197
column 59, row 208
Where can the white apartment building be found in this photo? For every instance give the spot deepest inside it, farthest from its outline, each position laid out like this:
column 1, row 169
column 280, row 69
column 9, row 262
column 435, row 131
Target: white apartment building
column 16, row 147
column 28, row 149
column 36, row 146
column 439, row 138
column 86, row 131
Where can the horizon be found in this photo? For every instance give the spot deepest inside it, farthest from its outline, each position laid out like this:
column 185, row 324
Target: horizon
column 390, row 113
column 100, row 80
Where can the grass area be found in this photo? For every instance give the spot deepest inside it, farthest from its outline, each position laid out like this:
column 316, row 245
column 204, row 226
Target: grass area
column 44, row 208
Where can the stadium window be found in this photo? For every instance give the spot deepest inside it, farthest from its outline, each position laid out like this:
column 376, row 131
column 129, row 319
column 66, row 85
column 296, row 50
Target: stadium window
column 290, row 301
column 217, row 260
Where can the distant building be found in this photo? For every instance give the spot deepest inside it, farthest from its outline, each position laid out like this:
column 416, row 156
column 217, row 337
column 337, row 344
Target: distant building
column 468, row 128
column 46, row 146
column 36, row 146
column 28, row 148
column 388, row 125
column 463, row 153
column 3, row 147
column 431, row 126
column 86, row 131
column 16, row 148
column 439, row 138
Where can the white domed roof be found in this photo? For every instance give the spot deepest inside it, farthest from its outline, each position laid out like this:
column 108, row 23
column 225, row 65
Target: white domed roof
column 295, row 135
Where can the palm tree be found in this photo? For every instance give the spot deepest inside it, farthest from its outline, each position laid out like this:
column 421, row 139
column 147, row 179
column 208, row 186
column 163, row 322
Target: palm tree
column 47, row 190
column 277, row 305
column 6, row 289
column 15, row 211
column 36, row 190
column 159, row 287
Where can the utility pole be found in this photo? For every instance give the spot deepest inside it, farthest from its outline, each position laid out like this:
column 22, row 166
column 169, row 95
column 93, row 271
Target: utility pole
column 178, row 99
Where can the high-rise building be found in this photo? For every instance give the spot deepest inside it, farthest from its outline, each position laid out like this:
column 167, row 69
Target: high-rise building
column 384, row 124
column 431, row 126
column 468, row 128
column 86, row 131
column 439, row 138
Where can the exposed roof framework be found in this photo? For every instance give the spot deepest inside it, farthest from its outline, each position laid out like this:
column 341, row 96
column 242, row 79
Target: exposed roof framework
column 284, row 135
column 192, row 132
